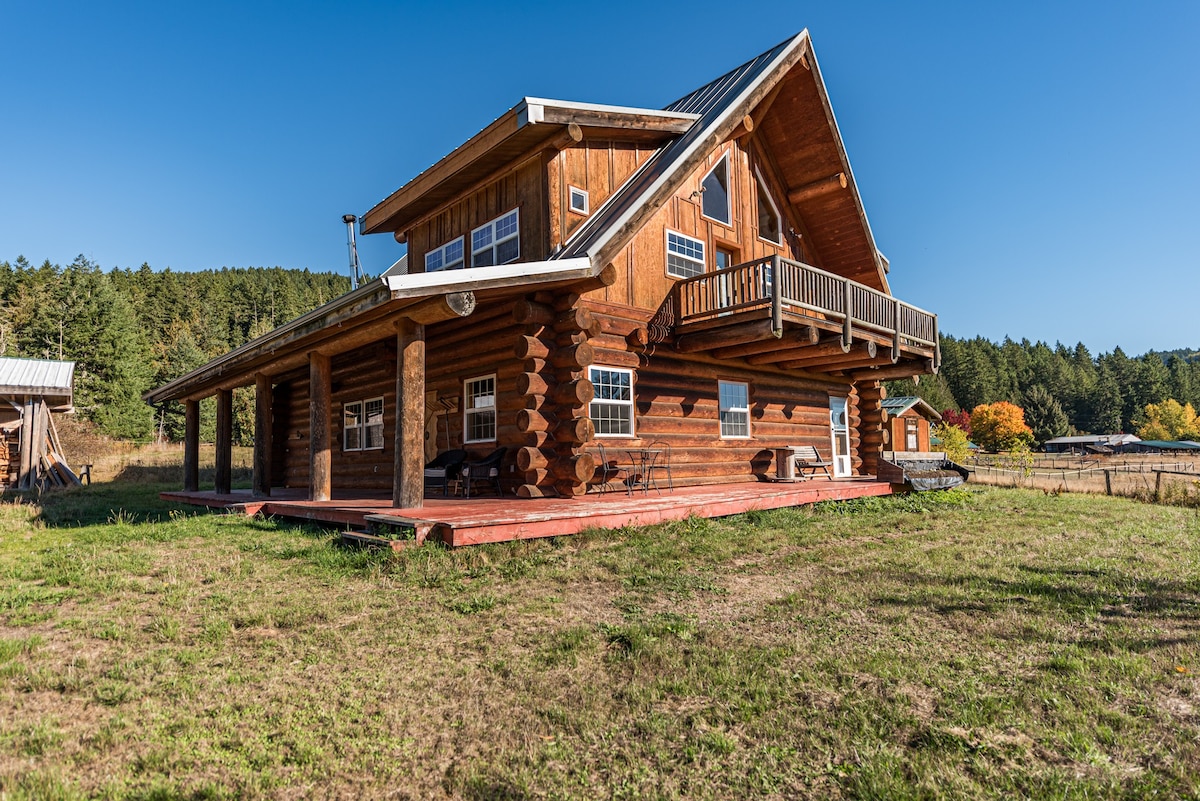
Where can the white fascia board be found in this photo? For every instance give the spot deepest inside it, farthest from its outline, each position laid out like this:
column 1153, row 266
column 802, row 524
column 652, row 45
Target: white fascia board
column 415, row 285
column 532, row 110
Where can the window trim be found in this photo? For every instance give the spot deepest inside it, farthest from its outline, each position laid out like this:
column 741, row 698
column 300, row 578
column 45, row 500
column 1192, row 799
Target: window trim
column 722, row 409
column 362, row 425
column 629, row 403
column 495, row 243
column 702, row 261
column 728, row 191
column 441, row 250
column 763, row 191
column 572, row 192
column 469, row 411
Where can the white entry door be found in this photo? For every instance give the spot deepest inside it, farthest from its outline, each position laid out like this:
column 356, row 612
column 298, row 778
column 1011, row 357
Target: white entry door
column 839, row 431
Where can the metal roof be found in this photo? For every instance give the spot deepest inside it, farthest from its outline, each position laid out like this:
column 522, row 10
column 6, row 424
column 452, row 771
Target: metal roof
column 1168, row 445
column 1091, row 439
column 36, row 377
column 900, row 405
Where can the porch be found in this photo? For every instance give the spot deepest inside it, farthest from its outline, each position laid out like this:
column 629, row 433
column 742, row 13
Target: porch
column 474, row 521
column 784, row 313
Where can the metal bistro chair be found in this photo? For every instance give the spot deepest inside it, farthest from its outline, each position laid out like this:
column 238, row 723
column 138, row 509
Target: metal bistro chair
column 660, row 464
column 444, row 468
column 607, row 469
column 485, row 469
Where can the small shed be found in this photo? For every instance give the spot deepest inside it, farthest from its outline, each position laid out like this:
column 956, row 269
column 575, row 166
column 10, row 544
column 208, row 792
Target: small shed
column 908, row 421
column 30, row 390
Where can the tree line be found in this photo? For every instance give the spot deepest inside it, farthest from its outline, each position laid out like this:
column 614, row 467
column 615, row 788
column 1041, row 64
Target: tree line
column 1062, row 389
column 130, row 330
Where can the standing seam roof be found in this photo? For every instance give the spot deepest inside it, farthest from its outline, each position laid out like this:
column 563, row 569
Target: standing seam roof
column 36, row 376
column 711, row 102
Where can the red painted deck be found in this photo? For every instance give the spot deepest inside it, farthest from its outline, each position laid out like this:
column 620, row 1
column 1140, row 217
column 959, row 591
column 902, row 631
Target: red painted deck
column 460, row 521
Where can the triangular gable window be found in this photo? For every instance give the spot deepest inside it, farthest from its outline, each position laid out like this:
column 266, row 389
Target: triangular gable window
column 715, row 192
column 769, row 225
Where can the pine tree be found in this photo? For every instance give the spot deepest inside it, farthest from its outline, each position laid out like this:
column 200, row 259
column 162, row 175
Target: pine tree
column 1044, row 415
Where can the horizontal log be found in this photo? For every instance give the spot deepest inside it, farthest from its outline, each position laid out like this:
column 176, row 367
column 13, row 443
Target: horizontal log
column 792, row 338
column 576, row 356
column 835, row 348
column 575, row 393
column 528, row 311
column 442, row 307
column 529, row 458
column 817, row 188
column 578, row 468
column 578, row 318
column 575, row 431
column 725, row 336
column 534, row 491
column 638, row 337
column 905, row 369
column 858, row 351
column 534, row 365
column 529, row 420
column 616, row 358
column 569, row 489
column 528, row 347
column 532, row 384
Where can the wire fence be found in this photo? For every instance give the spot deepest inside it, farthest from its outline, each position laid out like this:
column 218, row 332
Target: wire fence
column 1176, row 483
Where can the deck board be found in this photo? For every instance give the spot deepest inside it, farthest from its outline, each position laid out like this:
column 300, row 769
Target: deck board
column 473, row 521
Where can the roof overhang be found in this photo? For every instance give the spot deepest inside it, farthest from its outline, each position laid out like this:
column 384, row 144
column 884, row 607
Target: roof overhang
column 531, row 125
column 363, row 315
column 51, row 380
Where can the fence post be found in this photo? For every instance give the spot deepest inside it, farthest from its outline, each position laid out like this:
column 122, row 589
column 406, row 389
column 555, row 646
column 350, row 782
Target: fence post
column 1108, row 482
column 1158, row 485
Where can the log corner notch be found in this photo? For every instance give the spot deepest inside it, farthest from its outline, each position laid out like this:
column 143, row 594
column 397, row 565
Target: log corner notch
column 408, row 477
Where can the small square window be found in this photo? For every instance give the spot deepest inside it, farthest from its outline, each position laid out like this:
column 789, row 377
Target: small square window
column 685, row 255
column 579, row 200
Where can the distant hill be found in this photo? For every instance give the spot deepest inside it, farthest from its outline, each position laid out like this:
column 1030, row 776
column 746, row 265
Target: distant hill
column 1187, row 354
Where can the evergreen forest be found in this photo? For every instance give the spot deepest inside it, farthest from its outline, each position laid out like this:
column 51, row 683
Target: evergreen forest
column 130, row 330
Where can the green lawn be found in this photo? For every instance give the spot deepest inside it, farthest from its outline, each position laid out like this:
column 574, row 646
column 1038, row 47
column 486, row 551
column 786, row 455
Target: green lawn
column 983, row 644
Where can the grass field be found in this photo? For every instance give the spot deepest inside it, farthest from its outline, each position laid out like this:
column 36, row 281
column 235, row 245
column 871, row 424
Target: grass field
column 991, row 643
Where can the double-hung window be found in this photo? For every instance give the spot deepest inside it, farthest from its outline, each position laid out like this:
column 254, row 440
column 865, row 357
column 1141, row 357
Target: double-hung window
column 612, row 409
column 448, row 257
column 498, row 242
column 714, row 200
column 734, row 403
column 362, row 425
column 685, row 255
column 479, row 409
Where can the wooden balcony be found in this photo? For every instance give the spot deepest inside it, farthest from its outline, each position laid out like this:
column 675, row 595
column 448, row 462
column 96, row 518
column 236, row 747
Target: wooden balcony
column 792, row 315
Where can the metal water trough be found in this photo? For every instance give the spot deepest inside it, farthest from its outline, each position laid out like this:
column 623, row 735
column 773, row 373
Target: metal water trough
column 921, row 471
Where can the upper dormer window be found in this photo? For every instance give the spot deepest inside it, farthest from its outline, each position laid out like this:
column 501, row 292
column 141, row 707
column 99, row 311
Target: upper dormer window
column 498, row 242
column 714, row 198
column 579, row 200
column 770, row 227
column 448, row 257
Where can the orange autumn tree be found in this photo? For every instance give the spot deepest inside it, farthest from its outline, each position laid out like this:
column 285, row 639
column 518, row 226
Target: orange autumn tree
column 999, row 426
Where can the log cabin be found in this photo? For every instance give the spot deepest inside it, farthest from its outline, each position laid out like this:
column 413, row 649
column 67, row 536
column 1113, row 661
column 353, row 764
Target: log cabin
column 581, row 277
column 907, row 424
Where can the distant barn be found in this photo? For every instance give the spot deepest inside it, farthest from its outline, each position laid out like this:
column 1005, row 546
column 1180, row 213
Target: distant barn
column 1089, row 443
column 30, row 390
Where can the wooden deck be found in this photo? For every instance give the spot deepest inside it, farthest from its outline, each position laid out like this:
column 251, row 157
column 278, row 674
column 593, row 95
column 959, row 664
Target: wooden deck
column 459, row 521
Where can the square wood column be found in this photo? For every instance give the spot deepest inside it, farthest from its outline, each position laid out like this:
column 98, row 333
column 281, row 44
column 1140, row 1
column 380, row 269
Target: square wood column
column 408, row 473
column 224, row 467
column 320, row 457
column 191, row 445
column 261, row 486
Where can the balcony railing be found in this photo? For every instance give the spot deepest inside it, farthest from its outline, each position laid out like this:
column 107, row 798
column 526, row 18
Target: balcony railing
column 786, row 286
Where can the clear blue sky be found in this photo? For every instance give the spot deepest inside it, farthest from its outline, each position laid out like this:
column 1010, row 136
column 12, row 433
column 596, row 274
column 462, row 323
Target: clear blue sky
column 1031, row 169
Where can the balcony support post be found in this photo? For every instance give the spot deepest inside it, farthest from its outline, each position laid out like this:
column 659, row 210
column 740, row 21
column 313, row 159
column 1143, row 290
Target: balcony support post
column 848, row 310
column 776, row 296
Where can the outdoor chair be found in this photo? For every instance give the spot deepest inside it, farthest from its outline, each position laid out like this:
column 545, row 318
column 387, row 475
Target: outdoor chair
column 661, row 464
column 483, row 470
column 607, row 469
column 444, row 468
column 807, row 458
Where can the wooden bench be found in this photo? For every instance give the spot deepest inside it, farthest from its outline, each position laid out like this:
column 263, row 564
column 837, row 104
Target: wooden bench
column 807, row 458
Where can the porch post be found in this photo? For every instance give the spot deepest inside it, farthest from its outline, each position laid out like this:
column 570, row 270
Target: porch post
column 262, row 436
column 224, row 464
column 320, row 481
column 408, row 478
column 191, row 445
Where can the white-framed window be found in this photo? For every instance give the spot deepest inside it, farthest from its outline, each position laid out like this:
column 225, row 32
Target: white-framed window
column 714, row 193
column 498, row 242
column 479, row 409
column 770, row 223
column 448, row 257
column 612, row 409
column 733, row 398
column 362, row 425
column 685, row 255
column 579, row 200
